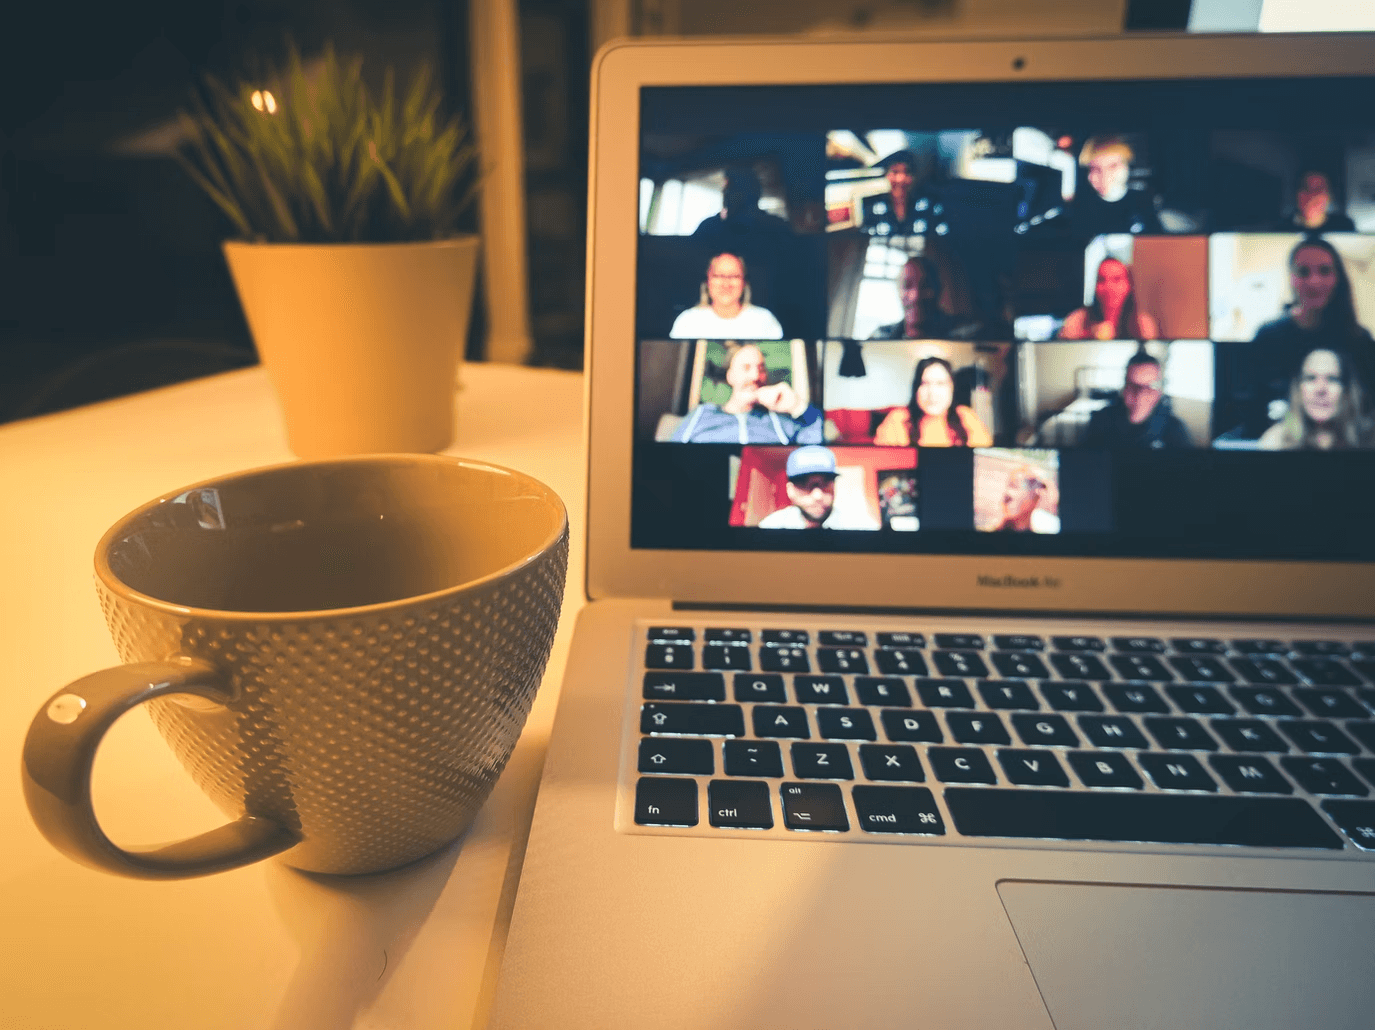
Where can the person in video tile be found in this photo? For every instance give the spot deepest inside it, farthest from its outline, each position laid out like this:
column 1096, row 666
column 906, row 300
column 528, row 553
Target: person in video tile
column 939, row 422
column 811, row 490
column 919, row 289
column 1140, row 415
column 1113, row 315
column 893, row 213
column 725, row 311
column 1313, row 211
column 740, row 214
column 1025, row 499
column 755, row 412
column 1111, row 205
column 1325, row 409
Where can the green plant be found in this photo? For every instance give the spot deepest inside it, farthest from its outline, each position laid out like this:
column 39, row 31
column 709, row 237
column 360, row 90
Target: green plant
column 325, row 162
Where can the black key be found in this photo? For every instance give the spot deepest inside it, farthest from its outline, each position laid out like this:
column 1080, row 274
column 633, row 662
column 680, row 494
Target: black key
column 960, row 641
column 960, row 765
column 1330, row 704
column 897, row 810
column 780, row 721
column 671, row 634
column 1366, row 667
column 820, row 690
column 1044, row 731
column 1260, row 646
column 1032, row 768
column 1264, row 701
column 822, row 762
column 1323, row 776
column 1264, row 671
column 1250, row 774
column 661, row 801
column 1364, row 732
column 1078, row 644
column 1104, row 769
column 944, row 694
column 729, row 636
column 891, row 762
column 1112, row 731
column 959, row 663
column 1200, row 700
column 902, row 640
column 883, row 691
column 909, row 725
column 725, row 656
column 692, row 720
column 1318, row 738
column 1008, row 695
column 1326, row 672
column 1145, row 818
column 1357, row 820
column 760, row 688
column 668, row 656
column 841, row 659
column 786, row 637
column 1139, row 645
column 1079, row 667
column 1135, row 697
column 1320, row 647
column 739, row 804
column 1071, row 696
column 1140, row 667
column 1017, row 665
column 685, row 686
column 1367, row 697
column 1018, row 642
column 900, row 662
column 1366, row 767
column 1197, row 645
column 784, row 659
column 1248, row 735
column 1180, row 734
column 844, row 724
column 664, row 755
column 1194, row 669
column 1176, row 772
column 842, row 638
column 977, row 728
column 752, row 758
column 813, row 806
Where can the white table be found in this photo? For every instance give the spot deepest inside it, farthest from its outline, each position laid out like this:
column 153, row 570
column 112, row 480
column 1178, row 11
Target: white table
column 264, row 946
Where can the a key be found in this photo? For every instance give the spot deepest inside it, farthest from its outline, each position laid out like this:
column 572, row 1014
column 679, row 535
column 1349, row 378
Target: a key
column 780, row 721
column 897, row 810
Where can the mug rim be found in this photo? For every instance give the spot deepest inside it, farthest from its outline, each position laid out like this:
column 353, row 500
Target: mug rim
column 110, row 581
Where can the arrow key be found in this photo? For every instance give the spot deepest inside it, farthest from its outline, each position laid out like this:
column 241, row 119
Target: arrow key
column 683, row 756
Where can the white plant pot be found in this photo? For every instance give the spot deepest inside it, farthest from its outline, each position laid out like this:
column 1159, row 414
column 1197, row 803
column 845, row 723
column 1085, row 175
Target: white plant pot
column 362, row 341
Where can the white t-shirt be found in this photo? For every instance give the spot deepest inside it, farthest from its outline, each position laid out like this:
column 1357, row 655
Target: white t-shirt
column 702, row 323
column 791, row 517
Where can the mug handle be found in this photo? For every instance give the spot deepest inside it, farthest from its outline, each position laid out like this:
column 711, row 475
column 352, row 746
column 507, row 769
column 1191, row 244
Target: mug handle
column 59, row 752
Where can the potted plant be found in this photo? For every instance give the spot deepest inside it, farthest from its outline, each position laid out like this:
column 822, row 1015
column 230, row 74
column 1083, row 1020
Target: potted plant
column 355, row 286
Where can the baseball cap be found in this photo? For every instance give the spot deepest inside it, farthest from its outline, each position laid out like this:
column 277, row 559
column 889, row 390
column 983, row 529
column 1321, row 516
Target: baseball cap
column 806, row 461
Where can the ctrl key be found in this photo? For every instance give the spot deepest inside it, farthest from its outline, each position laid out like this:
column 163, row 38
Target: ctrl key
column 1357, row 818
column 813, row 806
column 666, row 801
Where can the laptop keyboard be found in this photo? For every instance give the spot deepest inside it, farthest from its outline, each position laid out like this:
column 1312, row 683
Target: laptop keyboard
column 918, row 736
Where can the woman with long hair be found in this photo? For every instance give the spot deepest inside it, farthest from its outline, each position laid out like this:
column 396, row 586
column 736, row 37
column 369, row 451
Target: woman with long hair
column 724, row 311
column 938, row 421
column 1325, row 408
column 1114, row 314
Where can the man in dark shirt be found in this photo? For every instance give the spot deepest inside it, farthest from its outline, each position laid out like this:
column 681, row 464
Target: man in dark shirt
column 1139, row 416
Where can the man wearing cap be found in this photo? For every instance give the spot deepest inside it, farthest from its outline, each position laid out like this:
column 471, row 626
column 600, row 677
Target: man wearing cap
column 811, row 488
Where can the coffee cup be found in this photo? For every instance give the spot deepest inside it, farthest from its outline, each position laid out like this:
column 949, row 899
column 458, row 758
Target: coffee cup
column 341, row 653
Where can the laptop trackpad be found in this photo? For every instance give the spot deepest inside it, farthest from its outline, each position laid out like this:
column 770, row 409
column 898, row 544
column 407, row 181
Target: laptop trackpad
column 1163, row 958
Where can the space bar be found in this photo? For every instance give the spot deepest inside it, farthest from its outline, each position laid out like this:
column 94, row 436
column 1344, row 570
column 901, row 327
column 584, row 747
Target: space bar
column 1143, row 818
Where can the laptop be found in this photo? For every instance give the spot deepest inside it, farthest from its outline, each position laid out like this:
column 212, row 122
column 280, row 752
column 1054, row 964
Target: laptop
column 979, row 552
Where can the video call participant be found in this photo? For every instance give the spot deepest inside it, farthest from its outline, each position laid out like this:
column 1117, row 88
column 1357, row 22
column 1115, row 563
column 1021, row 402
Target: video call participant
column 724, row 311
column 939, row 421
column 1027, row 489
column 1111, row 205
column 811, row 488
column 1325, row 409
column 755, row 411
column 1139, row 416
column 1113, row 315
column 740, row 215
column 1313, row 211
column 894, row 213
column 919, row 288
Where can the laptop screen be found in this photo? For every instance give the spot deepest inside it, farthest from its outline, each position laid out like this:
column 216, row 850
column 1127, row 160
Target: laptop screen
column 1120, row 319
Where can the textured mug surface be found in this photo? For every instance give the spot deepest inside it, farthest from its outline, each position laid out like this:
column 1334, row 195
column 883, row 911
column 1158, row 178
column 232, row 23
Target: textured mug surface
column 372, row 729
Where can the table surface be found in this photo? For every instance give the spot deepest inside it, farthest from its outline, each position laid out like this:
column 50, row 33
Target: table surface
column 265, row 946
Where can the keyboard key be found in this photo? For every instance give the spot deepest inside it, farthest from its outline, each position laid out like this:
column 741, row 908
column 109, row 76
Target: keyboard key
column 1248, row 735
column 760, row 688
column 841, row 659
column 668, row 656
column 1079, row 667
column 692, row 720
column 1364, row 732
column 1016, row 665
column 661, row 801
column 786, row 637
column 891, row 762
column 1260, row 646
column 739, row 804
column 1326, row 672
column 729, row 636
column 944, row 694
column 909, row 725
column 1357, row 820
column 1032, row 768
column 977, row 728
column 1200, row 700
column 902, row 640
column 1264, row 671
column 1262, row 701
column 690, row 757
column 1176, row 772
column 1249, row 774
column 1018, row 642
column 784, row 659
column 1140, row 667
column 1144, row 818
column 1366, row 667
column 822, row 762
column 959, row 663
column 725, row 656
column 1078, row 644
column 1330, row 704
column 960, row 641
column 1008, row 695
column 684, row 686
column 1104, row 769
column 897, row 810
column 1197, row 645
column 1320, row 647
column 887, row 691
column 752, row 758
column 780, row 721
column 1139, row 645
column 1112, row 731
column 1044, row 731
column 813, row 806
column 842, row 638
column 1323, row 776
column 900, row 662
column 671, row 634
column 1180, row 735
column 960, row 765
column 820, row 690
column 844, row 724
column 1202, row 670
column 1366, row 767
column 1072, row 696
column 1319, row 738
column 1135, row 697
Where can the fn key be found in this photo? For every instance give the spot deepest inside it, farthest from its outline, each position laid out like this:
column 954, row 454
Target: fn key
column 666, row 801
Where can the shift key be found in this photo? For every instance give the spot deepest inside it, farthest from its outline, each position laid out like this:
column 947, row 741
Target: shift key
column 693, row 720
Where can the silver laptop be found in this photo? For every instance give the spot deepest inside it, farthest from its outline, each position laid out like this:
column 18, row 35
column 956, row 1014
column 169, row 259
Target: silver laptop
column 981, row 520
